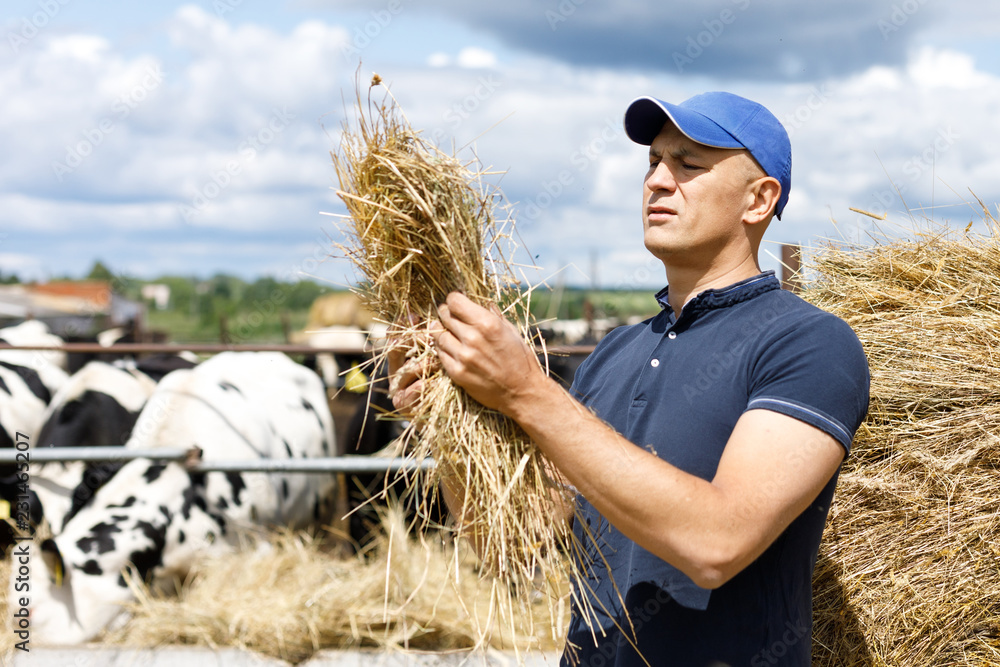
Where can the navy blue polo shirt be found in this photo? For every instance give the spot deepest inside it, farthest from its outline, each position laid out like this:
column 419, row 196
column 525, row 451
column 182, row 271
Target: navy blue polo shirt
column 677, row 386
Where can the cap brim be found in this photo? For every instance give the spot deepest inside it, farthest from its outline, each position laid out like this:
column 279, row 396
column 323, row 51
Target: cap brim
column 646, row 116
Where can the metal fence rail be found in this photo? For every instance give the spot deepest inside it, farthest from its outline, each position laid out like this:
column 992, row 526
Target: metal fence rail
column 167, row 348
column 334, row 464
column 213, row 348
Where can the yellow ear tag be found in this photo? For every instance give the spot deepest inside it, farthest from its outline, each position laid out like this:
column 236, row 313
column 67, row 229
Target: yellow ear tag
column 58, row 574
column 355, row 381
column 4, row 509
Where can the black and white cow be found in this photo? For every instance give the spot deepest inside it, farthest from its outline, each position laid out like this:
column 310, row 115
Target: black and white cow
column 156, row 519
column 28, row 381
column 97, row 407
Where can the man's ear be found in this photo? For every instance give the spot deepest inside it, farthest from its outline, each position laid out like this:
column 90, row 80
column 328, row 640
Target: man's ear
column 764, row 194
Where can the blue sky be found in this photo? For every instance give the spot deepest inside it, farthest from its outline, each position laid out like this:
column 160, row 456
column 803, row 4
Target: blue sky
column 191, row 138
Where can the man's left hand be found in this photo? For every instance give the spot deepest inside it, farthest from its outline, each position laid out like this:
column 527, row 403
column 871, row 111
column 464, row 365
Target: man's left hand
column 485, row 354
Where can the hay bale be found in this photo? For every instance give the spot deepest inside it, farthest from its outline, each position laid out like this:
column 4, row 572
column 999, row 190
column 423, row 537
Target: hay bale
column 338, row 309
column 293, row 597
column 909, row 566
column 422, row 224
column 291, row 594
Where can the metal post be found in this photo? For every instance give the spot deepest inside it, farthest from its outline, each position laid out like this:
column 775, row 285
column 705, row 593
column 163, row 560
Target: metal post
column 790, row 265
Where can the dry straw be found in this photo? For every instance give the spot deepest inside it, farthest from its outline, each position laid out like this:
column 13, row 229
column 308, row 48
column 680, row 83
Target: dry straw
column 294, row 598
column 909, row 566
column 289, row 595
column 422, row 224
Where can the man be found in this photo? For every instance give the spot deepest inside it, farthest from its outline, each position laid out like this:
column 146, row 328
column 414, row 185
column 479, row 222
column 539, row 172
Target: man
column 705, row 442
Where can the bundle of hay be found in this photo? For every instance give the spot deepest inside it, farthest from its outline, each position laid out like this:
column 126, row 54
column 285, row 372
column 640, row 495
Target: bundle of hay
column 909, row 567
column 421, row 224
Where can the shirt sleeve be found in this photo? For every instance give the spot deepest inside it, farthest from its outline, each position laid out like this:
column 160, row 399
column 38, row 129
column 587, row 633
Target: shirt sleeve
column 815, row 371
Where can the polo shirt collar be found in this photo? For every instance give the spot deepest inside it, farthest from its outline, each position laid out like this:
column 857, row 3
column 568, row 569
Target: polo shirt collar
column 724, row 297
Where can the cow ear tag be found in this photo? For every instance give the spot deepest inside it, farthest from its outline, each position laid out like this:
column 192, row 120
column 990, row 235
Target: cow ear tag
column 355, row 380
column 50, row 552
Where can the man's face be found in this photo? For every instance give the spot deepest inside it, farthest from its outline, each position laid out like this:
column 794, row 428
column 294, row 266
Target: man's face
column 694, row 198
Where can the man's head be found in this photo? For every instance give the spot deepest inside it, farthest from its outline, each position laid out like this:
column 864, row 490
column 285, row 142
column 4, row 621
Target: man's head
column 719, row 120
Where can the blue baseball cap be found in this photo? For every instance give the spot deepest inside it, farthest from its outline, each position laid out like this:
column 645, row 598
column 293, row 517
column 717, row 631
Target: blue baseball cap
column 720, row 120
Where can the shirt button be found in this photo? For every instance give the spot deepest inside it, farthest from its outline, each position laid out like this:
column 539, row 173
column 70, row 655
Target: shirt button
column 654, row 363
column 672, row 335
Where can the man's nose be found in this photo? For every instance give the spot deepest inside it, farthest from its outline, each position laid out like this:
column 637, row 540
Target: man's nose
column 661, row 178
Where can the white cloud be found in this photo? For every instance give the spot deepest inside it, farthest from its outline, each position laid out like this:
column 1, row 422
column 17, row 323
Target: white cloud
column 555, row 129
column 470, row 57
column 934, row 68
column 474, row 57
column 54, row 215
column 89, row 48
column 438, row 59
column 886, row 139
column 123, row 140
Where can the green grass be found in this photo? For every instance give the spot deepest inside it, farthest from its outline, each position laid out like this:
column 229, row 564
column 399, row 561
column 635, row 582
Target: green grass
column 243, row 326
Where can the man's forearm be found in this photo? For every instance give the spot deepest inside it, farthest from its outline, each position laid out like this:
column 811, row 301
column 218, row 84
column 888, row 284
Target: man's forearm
column 675, row 515
column 773, row 468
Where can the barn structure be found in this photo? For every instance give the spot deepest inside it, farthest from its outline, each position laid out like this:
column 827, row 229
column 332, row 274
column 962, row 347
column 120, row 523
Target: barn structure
column 70, row 308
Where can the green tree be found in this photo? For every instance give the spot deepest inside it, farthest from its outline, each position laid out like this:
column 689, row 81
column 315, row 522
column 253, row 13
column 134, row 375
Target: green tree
column 263, row 290
column 303, row 293
column 100, row 272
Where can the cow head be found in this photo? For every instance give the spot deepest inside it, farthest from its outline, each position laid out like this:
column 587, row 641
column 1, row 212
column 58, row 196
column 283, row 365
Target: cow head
column 146, row 523
column 77, row 594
